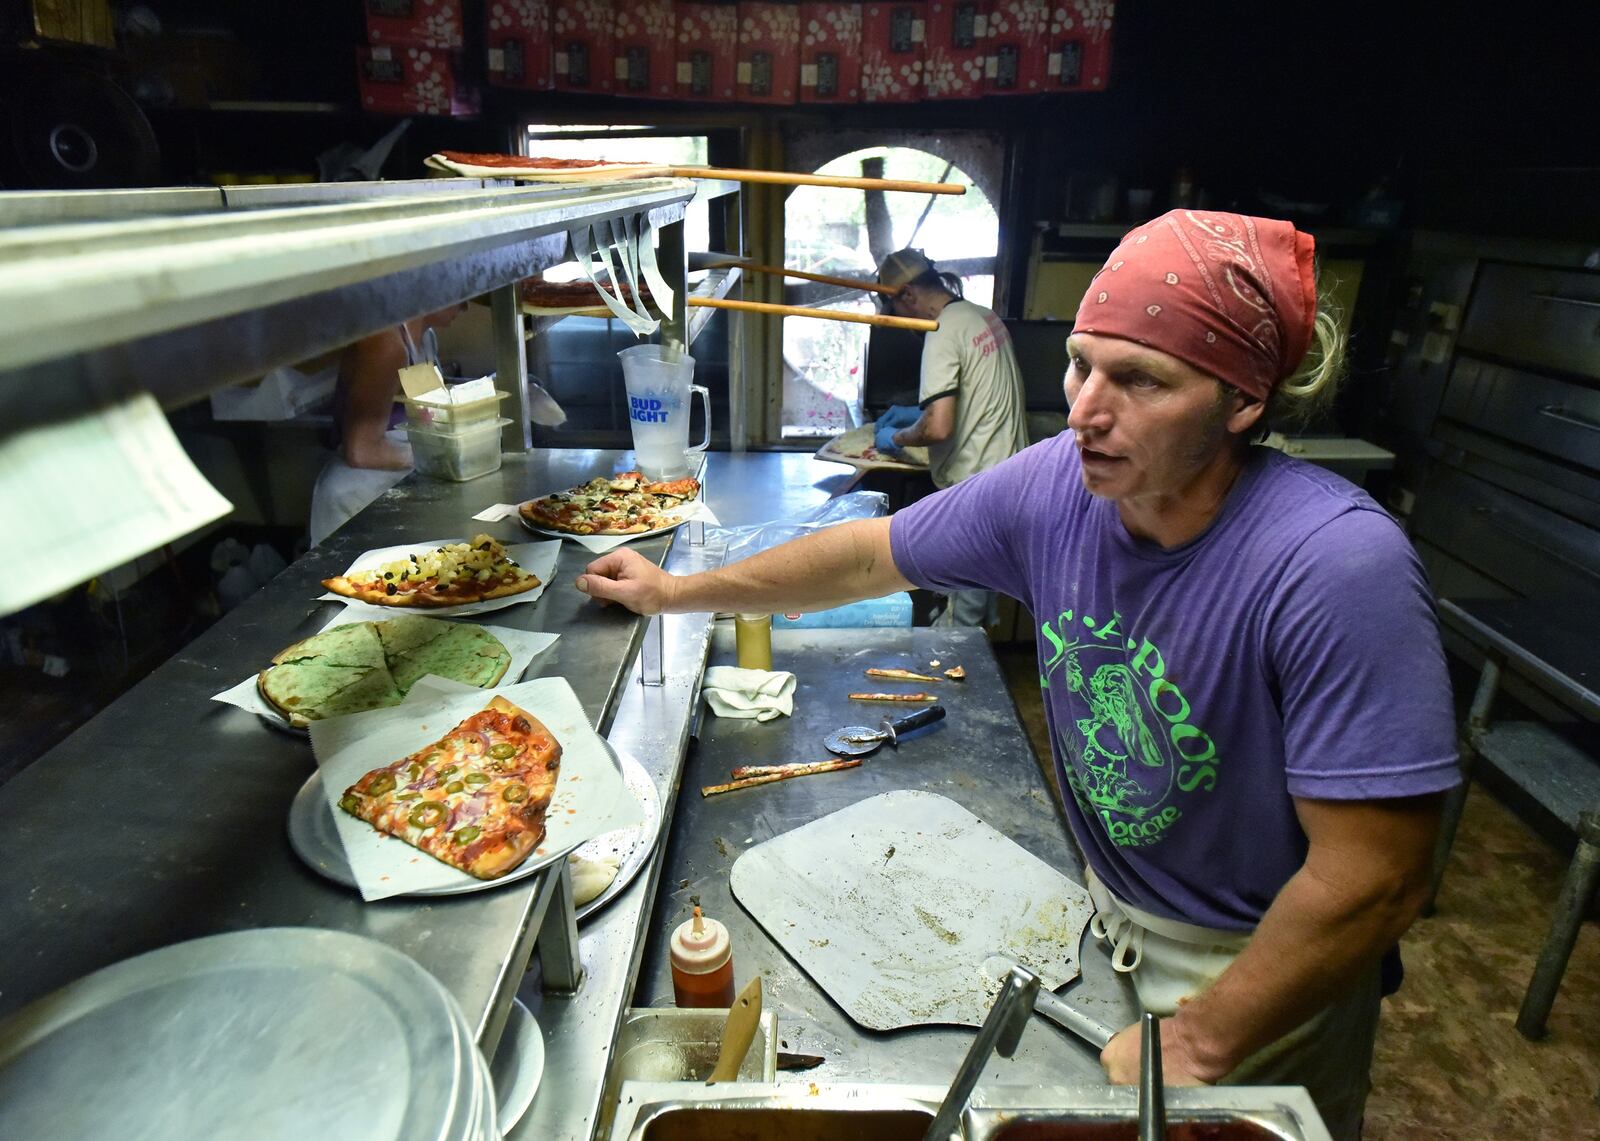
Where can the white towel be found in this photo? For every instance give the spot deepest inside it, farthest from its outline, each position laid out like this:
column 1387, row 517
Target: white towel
column 762, row 694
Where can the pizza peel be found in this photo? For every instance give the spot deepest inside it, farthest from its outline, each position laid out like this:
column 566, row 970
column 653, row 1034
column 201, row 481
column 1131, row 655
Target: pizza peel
column 909, row 911
column 631, row 170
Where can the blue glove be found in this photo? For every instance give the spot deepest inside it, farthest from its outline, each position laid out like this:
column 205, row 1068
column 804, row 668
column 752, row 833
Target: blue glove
column 900, row 416
column 883, row 439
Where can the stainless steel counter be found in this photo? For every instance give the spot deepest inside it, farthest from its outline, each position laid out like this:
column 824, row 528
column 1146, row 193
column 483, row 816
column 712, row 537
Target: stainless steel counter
column 97, row 873
column 979, row 757
column 163, row 818
column 653, row 724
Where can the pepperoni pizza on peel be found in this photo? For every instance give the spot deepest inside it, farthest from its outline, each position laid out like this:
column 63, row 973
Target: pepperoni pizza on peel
column 475, row 165
column 474, row 799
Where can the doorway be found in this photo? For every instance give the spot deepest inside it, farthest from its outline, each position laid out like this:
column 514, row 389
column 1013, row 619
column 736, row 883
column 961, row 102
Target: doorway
column 846, row 233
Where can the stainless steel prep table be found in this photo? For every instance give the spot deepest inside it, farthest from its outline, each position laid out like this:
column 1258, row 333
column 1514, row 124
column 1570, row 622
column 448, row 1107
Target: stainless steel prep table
column 96, row 873
column 163, row 818
column 979, row 757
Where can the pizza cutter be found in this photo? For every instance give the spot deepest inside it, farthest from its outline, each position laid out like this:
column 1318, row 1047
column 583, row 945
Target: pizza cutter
column 859, row 740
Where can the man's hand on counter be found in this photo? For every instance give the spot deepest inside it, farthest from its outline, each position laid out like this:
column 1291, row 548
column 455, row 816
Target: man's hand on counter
column 629, row 579
column 1120, row 1058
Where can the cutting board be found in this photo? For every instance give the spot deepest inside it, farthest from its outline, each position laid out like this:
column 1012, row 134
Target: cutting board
column 908, row 910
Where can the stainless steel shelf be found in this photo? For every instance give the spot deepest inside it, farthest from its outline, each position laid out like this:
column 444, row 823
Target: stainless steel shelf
column 178, row 297
column 717, row 284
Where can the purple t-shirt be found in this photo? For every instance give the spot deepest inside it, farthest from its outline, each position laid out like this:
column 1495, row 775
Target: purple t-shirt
column 1290, row 650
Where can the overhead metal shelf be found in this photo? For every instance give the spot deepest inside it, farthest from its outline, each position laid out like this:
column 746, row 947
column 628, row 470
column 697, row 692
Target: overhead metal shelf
column 179, row 297
column 717, row 285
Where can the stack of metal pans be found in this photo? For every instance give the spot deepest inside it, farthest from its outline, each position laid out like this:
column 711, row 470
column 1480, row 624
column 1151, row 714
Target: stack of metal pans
column 290, row 1033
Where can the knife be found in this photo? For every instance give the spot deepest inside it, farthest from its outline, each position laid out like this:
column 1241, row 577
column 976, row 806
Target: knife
column 788, row 1061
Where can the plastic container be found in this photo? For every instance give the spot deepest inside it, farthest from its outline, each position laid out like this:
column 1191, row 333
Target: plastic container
column 460, row 453
column 753, row 636
column 892, row 610
column 444, row 416
column 702, row 963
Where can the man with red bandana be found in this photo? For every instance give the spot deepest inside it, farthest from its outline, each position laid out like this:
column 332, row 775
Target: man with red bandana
column 1242, row 672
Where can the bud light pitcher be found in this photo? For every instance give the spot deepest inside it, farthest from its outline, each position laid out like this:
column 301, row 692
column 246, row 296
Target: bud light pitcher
column 658, row 382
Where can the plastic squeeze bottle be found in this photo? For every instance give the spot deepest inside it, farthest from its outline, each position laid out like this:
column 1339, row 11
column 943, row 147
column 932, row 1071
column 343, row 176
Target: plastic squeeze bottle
column 702, row 963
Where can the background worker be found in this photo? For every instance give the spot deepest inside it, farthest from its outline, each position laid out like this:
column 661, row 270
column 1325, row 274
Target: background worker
column 969, row 413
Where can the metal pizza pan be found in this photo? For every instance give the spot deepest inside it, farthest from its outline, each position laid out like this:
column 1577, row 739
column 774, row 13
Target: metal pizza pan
column 268, row 1034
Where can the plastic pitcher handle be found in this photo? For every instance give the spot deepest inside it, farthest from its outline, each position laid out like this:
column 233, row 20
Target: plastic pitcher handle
column 705, row 405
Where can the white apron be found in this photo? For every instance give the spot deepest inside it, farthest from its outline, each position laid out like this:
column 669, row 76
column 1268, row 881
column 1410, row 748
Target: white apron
column 1330, row 1054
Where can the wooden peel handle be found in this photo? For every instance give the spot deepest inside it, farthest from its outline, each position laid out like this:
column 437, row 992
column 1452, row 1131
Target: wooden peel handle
column 790, row 178
column 826, row 279
column 883, row 320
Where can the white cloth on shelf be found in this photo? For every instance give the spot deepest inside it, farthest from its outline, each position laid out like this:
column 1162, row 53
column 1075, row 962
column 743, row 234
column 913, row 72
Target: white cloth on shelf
column 759, row 694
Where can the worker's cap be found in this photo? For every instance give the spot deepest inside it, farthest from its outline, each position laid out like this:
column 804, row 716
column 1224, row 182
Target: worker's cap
column 903, row 267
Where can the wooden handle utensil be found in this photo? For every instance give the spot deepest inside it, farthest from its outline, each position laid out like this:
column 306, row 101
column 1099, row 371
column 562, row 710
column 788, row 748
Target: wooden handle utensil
column 882, row 320
column 826, row 279
column 738, row 1032
column 791, row 178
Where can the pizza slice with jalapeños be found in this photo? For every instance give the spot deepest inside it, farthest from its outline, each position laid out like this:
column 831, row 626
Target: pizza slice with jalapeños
column 451, row 575
column 624, row 504
column 475, row 799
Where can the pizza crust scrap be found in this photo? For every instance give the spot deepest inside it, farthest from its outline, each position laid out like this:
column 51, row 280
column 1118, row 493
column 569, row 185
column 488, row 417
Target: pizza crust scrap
column 901, row 675
column 451, row 575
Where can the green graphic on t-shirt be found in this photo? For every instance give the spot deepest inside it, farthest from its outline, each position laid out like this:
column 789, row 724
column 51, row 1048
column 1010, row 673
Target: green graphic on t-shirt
column 1131, row 751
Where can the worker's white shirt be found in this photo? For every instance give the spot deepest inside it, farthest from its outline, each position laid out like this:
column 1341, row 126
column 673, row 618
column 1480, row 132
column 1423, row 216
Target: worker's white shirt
column 970, row 355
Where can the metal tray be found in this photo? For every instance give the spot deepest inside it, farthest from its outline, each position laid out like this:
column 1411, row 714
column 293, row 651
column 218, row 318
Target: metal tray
column 270, row 1033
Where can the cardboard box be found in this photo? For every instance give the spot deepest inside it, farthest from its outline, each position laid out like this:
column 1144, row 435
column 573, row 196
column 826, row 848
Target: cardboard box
column 1079, row 46
column 581, row 34
column 518, row 41
column 75, row 21
column 957, row 47
column 419, row 23
column 769, row 53
column 646, row 56
column 708, row 50
column 1017, row 56
column 830, row 53
column 892, row 38
column 407, row 79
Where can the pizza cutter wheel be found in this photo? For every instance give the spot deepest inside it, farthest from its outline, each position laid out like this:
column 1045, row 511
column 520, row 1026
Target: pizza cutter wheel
column 859, row 740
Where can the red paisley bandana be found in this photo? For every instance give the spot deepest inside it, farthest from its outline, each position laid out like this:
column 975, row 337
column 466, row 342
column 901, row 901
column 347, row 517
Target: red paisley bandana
column 1231, row 295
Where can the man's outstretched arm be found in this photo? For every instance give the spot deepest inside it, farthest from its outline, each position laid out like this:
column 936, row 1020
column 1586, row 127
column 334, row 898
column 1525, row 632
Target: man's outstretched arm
column 832, row 567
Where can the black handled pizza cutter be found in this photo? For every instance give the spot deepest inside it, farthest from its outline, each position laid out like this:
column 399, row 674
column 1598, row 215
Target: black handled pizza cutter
column 859, row 740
